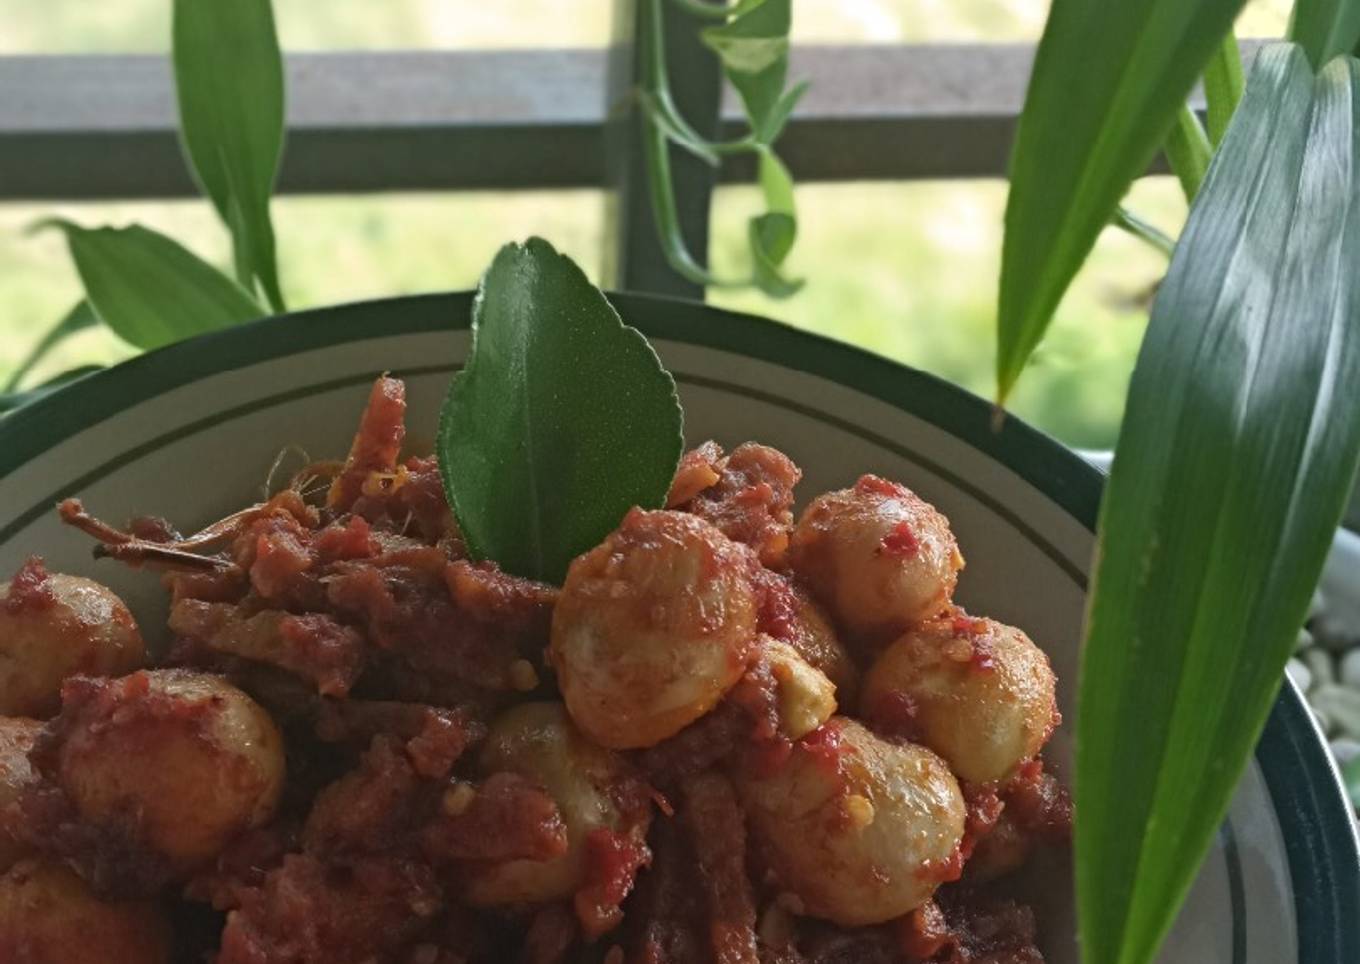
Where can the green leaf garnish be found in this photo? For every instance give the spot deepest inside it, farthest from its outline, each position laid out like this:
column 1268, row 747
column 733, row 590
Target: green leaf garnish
column 149, row 289
column 562, row 420
column 1237, row 455
column 1108, row 80
column 229, row 79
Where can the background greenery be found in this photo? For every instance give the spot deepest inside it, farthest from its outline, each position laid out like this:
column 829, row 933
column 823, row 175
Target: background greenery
column 904, row 269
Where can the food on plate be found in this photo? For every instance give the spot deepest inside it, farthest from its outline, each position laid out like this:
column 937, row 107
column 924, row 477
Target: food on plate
column 653, row 626
column 977, row 692
column 17, row 736
column 601, row 800
column 48, row 915
column 53, row 626
column 860, row 829
column 171, row 764
column 728, row 737
column 878, row 556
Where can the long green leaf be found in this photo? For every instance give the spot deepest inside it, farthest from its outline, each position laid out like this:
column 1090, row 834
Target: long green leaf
column 1223, row 86
column 1325, row 28
column 1108, row 80
column 561, row 422
column 229, row 77
column 754, row 49
column 1188, row 151
column 80, row 317
column 771, row 235
column 1238, row 451
column 150, row 289
column 1145, row 231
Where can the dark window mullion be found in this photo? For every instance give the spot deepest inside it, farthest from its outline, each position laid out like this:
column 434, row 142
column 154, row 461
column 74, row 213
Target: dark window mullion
column 634, row 259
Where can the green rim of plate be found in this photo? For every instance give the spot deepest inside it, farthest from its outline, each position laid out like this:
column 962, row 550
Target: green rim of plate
column 1315, row 819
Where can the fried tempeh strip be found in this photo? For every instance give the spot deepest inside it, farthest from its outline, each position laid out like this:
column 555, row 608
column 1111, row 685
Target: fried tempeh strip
column 313, row 646
column 717, row 833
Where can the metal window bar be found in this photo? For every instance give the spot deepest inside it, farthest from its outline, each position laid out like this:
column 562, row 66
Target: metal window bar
column 87, row 126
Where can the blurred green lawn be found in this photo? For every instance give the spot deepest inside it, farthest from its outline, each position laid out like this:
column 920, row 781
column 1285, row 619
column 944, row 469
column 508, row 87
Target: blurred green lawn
column 908, row 270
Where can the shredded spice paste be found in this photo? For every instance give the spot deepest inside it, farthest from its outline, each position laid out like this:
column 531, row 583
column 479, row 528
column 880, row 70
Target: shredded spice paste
column 729, row 737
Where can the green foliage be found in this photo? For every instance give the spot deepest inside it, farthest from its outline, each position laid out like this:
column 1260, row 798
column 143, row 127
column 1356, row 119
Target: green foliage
column 562, row 420
column 1108, row 81
column 1223, row 86
column 149, row 289
column 79, row 318
column 229, row 80
column 753, row 45
column 1237, row 456
column 1325, row 28
column 1188, row 151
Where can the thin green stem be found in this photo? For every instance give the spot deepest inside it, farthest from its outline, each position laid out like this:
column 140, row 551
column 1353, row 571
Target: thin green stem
column 1223, row 84
column 662, row 109
column 659, row 119
column 1188, row 151
column 656, row 149
column 656, row 98
column 1127, row 221
column 80, row 317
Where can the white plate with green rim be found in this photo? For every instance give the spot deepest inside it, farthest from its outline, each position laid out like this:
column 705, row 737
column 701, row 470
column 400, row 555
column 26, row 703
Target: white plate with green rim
column 190, row 432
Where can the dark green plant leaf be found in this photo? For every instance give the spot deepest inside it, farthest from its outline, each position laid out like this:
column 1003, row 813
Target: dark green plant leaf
column 766, row 234
column 1145, row 231
column 778, row 117
column 9, row 401
column 772, row 234
column 561, row 422
column 1223, row 86
column 1188, row 151
column 1325, row 28
column 80, row 317
column 754, row 50
column 1108, row 79
column 229, row 78
column 151, row 290
column 1237, row 454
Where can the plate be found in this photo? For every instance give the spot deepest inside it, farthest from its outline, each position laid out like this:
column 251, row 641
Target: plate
column 190, row 432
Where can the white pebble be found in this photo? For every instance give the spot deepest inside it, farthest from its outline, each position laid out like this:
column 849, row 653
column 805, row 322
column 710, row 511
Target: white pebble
column 1341, row 706
column 1304, row 641
column 1317, row 604
column 1340, row 585
column 1300, row 674
column 1335, row 632
column 1350, row 669
column 1345, row 750
column 1322, row 666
